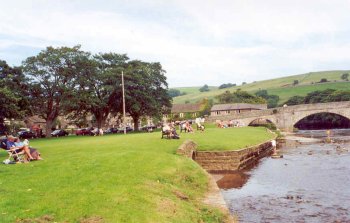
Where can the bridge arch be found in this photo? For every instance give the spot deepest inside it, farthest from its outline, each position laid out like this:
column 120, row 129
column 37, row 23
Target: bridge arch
column 340, row 115
column 260, row 121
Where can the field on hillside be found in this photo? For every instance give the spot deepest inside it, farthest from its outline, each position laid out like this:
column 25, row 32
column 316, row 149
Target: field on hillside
column 115, row 178
column 283, row 87
column 194, row 90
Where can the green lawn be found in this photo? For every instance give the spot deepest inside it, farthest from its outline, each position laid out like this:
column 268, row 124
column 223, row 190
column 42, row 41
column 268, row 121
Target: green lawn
column 216, row 139
column 117, row 178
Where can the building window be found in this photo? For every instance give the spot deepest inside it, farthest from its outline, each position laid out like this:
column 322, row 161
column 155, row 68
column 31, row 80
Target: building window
column 181, row 115
column 194, row 114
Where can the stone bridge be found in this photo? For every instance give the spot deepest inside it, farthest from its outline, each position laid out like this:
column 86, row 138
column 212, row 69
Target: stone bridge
column 286, row 117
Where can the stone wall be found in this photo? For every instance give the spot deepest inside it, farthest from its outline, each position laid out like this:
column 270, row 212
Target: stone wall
column 226, row 161
column 188, row 149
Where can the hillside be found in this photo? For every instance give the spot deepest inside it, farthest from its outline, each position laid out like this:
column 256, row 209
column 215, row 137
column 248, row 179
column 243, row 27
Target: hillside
column 283, row 87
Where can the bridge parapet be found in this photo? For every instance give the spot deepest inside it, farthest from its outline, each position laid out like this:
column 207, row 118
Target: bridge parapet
column 317, row 106
column 286, row 117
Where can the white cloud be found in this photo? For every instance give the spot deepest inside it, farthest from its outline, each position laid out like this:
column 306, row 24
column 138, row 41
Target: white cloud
column 197, row 42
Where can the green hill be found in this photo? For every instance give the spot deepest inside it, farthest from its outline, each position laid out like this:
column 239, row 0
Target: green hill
column 283, row 87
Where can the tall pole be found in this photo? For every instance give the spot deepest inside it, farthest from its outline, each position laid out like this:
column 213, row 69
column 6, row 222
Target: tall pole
column 124, row 125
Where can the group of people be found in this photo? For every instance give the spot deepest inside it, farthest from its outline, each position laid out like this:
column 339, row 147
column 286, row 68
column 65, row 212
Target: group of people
column 14, row 146
column 228, row 124
column 170, row 130
column 185, row 126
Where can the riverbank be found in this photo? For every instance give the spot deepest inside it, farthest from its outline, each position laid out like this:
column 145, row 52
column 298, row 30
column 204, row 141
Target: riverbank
column 114, row 178
column 306, row 185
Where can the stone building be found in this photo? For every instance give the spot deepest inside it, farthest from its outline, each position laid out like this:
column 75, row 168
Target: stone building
column 184, row 111
column 237, row 108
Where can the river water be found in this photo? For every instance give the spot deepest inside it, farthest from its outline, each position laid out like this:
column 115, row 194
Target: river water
column 311, row 183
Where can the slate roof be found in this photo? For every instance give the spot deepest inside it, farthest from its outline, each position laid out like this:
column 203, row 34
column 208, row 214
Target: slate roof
column 180, row 108
column 238, row 106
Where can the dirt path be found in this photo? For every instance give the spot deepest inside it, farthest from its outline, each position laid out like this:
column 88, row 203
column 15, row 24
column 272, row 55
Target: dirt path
column 214, row 198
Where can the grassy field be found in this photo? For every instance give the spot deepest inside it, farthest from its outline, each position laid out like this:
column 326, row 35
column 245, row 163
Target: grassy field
column 115, row 178
column 281, row 86
column 302, row 90
column 194, row 90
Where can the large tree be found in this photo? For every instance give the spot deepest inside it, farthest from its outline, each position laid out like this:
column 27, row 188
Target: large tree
column 146, row 90
column 345, row 76
column 13, row 101
column 239, row 97
column 99, row 86
column 52, row 74
column 272, row 100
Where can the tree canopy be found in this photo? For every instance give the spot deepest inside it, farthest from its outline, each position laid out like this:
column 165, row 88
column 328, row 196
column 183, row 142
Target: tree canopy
column 345, row 76
column 52, row 75
column 13, row 93
column 175, row 92
column 228, row 85
column 146, row 90
column 328, row 95
column 272, row 100
column 204, row 88
column 98, row 83
column 240, row 96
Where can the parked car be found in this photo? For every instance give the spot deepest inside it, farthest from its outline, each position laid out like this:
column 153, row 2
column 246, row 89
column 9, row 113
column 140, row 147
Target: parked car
column 128, row 129
column 148, row 128
column 84, row 132
column 59, row 132
column 26, row 135
column 111, row 131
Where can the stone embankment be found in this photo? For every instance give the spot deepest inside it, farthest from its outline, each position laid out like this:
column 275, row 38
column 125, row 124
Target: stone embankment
column 225, row 161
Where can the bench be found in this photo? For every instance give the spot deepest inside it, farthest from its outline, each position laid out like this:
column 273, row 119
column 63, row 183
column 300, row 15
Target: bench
column 166, row 134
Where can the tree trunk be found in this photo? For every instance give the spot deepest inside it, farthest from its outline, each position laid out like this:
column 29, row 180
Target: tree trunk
column 48, row 127
column 100, row 118
column 136, row 123
column 2, row 120
column 100, row 121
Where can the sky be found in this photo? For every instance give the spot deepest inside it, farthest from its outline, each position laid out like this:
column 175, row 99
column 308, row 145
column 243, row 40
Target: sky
column 197, row 41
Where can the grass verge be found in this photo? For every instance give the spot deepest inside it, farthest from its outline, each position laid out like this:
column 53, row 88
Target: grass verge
column 115, row 178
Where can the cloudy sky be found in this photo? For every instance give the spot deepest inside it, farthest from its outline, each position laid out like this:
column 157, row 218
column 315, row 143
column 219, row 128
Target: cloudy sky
column 197, row 41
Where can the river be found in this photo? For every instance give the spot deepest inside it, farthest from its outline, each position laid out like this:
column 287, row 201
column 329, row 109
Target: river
column 311, row 183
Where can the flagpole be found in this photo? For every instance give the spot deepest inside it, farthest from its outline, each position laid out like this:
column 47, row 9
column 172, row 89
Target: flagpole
column 124, row 125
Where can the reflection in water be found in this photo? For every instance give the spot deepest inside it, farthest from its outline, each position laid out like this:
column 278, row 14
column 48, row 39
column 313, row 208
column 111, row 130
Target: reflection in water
column 310, row 184
column 233, row 180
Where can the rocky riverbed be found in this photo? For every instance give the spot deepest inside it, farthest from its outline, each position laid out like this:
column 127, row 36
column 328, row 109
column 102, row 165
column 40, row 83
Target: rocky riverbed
column 309, row 184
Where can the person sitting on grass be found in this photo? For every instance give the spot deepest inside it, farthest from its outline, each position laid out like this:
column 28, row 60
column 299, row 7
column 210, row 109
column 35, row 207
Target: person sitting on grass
column 173, row 133
column 11, row 146
column 189, row 127
column 171, row 130
column 33, row 152
column 200, row 127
